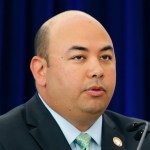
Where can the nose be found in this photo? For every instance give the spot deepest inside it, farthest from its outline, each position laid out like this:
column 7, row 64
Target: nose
column 95, row 70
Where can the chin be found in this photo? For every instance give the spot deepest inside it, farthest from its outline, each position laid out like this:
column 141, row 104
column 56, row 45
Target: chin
column 94, row 111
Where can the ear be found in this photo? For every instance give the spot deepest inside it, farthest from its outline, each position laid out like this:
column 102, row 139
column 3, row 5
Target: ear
column 38, row 68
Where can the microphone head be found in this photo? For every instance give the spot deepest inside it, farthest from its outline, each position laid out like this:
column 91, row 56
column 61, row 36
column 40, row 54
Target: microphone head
column 138, row 135
column 133, row 126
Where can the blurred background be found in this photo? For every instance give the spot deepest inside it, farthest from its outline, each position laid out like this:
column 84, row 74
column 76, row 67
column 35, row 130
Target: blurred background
column 128, row 23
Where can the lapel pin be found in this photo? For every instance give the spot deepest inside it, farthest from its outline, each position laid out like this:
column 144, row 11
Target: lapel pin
column 117, row 141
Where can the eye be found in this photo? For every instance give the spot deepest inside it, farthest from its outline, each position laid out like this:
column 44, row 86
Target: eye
column 78, row 58
column 105, row 57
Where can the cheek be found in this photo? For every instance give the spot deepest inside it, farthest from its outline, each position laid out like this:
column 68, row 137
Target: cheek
column 65, row 76
column 71, row 73
column 111, row 77
column 71, row 80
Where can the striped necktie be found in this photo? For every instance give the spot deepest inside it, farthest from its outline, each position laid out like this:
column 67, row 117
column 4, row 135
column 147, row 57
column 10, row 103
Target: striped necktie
column 83, row 140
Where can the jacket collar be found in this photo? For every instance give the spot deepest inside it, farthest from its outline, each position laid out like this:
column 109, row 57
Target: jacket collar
column 111, row 137
column 42, row 126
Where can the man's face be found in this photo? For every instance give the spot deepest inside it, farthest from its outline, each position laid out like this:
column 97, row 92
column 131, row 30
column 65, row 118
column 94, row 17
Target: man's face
column 81, row 75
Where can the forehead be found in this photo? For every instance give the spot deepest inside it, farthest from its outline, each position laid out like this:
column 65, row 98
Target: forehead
column 78, row 30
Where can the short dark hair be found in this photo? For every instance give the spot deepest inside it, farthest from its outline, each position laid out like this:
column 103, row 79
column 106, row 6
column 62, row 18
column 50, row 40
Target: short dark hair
column 41, row 42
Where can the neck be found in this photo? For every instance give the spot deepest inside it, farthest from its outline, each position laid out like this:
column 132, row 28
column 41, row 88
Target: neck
column 82, row 123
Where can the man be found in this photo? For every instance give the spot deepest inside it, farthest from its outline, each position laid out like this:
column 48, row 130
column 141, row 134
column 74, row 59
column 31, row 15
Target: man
column 75, row 73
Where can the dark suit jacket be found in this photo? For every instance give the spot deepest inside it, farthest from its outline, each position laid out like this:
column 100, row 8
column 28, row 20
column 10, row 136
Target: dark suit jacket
column 31, row 127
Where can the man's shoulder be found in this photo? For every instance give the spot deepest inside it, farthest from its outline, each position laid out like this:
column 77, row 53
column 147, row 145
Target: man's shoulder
column 12, row 124
column 117, row 117
column 119, row 125
column 12, row 118
column 119, row 120
column 30, row 112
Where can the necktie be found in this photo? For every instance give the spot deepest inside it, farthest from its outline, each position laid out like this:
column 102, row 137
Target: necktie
column 83, row 140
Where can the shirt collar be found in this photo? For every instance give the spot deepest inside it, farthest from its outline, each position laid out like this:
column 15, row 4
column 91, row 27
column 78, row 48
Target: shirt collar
column 95, row 131
column 71, row 132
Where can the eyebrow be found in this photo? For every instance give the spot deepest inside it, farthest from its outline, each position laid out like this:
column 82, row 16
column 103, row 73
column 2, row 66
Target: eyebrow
column 81, row 48
column 108, row 47
column 76, row 47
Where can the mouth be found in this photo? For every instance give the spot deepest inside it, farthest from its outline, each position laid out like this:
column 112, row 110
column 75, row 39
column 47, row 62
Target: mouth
column 96, row 91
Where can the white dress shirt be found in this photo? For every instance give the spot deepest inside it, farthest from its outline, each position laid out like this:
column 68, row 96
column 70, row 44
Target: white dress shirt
column 71, row 132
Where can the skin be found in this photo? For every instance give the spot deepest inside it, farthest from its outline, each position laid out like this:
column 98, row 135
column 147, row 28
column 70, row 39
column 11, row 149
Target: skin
column 79, row 81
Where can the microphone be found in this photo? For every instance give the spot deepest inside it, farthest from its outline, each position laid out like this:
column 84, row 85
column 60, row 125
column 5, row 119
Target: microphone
column 141, row 134
column 134, row 126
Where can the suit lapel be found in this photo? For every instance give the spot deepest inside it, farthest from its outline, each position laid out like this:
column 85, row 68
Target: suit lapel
column 49, row 136
column 43, row 127
column 111, row 137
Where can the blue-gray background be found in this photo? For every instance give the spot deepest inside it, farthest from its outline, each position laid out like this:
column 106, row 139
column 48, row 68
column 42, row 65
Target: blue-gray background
column 128, row 23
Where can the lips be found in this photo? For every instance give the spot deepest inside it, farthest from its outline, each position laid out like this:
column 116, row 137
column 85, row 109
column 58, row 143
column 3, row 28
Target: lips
column 95, row 91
